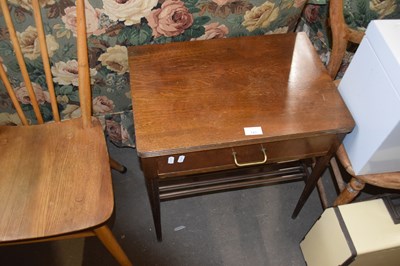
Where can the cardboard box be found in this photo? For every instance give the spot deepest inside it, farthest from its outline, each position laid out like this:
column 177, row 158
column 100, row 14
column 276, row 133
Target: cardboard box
column 361, row 234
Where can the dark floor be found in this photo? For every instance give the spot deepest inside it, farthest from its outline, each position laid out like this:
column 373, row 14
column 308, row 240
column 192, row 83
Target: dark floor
column 244, row 227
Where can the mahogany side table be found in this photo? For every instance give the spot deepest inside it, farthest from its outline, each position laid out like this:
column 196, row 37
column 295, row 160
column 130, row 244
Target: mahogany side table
column 232, row 113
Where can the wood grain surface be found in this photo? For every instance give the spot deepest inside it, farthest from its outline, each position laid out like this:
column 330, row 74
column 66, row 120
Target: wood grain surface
column 200, row 95
column 54, row 179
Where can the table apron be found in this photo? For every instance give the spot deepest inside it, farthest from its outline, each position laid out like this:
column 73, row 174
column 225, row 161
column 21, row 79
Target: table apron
column 222, row 159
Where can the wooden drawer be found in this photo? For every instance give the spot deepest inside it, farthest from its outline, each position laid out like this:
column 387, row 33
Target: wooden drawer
column 222, row 159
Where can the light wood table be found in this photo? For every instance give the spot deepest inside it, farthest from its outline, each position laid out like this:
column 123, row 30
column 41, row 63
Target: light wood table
column 230, row 113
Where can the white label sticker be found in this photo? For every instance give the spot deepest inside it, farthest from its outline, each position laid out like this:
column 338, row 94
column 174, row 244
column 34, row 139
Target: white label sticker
column 171, row 160
column 181, row 158
column 249, row 131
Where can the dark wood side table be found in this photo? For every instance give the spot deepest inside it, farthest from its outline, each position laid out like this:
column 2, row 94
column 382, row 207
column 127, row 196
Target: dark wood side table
column 231, row 113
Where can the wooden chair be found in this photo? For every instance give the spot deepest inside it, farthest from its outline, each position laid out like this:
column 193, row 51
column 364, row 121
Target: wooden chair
column 55, row 178
column 341, row 36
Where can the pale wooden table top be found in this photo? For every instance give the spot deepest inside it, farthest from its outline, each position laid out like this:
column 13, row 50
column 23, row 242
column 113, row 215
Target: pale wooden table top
column 193, row 96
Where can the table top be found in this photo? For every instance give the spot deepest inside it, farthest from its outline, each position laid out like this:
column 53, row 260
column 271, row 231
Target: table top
column 200, row 95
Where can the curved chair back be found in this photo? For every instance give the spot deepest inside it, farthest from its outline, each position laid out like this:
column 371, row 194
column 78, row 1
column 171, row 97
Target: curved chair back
column 341, row 35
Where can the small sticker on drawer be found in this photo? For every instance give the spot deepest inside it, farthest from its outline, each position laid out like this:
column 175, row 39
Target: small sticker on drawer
column 171, row 160
column 181, row 158
column 250, row 131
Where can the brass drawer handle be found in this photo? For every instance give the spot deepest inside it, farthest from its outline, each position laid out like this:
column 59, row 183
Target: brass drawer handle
column 251, row 163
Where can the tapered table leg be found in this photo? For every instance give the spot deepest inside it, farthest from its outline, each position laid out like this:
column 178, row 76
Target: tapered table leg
column 315, row 175
column 312, row 180
column 149, row 168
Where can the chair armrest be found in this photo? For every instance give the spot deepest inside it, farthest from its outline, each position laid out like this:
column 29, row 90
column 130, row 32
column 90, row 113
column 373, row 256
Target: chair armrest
column 387, row 180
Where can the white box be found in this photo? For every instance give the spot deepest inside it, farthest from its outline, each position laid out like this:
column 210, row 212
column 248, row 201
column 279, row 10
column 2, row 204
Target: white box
column 362, row 234
column 371, row 91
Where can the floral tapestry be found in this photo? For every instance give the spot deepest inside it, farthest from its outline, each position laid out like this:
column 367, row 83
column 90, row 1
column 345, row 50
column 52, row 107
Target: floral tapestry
column 112, row 26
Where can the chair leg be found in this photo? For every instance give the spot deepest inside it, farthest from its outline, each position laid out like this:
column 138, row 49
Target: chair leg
column 338, row 176
column 107, row 238
column 117, row 166
column 351, row 191
column 322, row 194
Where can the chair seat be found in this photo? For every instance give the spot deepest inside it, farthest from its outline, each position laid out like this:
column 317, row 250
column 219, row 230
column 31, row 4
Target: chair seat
column 54, row 179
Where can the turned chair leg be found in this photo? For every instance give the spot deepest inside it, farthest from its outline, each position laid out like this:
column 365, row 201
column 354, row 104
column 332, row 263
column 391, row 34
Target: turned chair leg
column 117, row 166
column 337, row 174
column 107, row 238
column 351, row 191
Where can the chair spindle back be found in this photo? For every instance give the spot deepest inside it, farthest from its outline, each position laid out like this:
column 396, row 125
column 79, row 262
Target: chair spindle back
column 83, row 65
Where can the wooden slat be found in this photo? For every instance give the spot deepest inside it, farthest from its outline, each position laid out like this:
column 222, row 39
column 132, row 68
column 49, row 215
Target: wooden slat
column 21, row 61
column 83, row 65
column 45, row 59
column 11, row 93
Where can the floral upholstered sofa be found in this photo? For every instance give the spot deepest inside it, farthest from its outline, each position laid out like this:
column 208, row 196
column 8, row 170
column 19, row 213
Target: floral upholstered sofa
column 113, row 25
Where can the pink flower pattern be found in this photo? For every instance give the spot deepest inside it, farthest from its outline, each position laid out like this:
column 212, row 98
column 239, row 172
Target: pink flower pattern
column 123, row 23
column 172, row 19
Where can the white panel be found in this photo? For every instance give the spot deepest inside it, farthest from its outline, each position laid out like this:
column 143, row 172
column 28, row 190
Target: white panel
column 384, row 37
column 369, row 93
